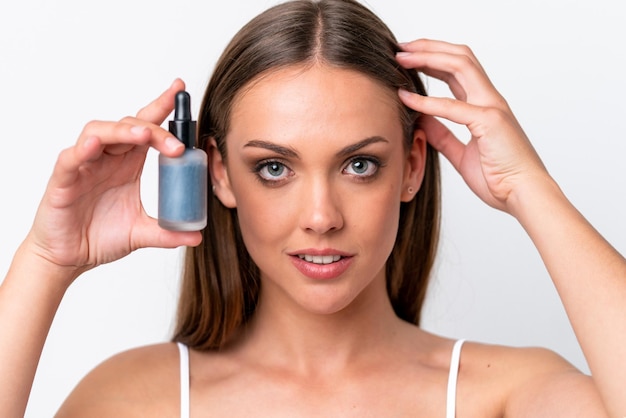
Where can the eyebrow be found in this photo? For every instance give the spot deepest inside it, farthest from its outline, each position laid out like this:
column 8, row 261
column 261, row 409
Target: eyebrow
column 279, row 149
column 290, row 152
column 350, row 149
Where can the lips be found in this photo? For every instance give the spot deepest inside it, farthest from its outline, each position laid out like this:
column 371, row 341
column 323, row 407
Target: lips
column 321, row 265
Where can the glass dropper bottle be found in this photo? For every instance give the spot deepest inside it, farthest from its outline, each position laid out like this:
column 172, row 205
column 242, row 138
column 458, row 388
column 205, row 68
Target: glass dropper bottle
column 183, row 180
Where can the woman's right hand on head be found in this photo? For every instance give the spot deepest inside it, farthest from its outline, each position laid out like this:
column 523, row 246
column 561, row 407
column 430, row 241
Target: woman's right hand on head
column 91, row 212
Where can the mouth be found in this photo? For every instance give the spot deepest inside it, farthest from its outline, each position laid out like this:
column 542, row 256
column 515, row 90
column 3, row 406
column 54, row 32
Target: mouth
column 320, row 259
column 321, row 264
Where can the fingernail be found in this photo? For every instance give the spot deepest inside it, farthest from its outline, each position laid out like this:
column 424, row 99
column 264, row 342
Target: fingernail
column 403, row 54
column 176, row 80
column 138, row 130
column 172, row 143
column 90, row 140
column 404, row 93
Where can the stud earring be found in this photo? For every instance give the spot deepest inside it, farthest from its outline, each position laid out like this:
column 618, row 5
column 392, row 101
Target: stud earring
column 410, row 190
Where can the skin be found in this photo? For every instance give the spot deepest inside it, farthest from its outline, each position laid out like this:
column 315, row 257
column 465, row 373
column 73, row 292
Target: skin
column 317, row 202
column 331, row 348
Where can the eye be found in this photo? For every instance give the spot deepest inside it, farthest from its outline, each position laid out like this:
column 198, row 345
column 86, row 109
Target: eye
column 362, row 167
column 272, row 171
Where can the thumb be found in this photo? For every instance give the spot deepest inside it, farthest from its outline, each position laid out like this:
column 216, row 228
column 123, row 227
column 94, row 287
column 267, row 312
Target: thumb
column 443, row 140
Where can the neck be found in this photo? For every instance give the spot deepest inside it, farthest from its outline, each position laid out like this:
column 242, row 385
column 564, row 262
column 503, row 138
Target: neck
column 286, row 334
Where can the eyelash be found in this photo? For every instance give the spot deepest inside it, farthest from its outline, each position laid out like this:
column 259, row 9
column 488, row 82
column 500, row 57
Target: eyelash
column 265, row 164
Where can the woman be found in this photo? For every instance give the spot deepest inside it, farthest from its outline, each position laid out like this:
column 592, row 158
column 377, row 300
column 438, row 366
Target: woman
column 304, row 296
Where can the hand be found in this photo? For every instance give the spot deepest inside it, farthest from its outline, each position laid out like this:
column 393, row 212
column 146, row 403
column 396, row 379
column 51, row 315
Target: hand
column 91, row 212
column 499, row 158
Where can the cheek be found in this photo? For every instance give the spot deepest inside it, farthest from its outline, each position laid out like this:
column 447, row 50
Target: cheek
column 264, row 222
column 379, row 221
column 262, row 219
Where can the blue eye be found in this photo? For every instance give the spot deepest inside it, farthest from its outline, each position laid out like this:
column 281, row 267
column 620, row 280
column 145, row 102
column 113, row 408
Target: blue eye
column 362, row 167
column 272, row 171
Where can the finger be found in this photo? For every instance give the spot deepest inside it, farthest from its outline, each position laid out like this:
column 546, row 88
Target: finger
column 429, row 45
column 453, row 64
column 115, row 138
column 467, row 81
column 66, row 170
column 96, row 139
column 149, row 234
column 158, row 138
column 410, row 60
column 158, row 109
column 120, row 137
column 128, row 132
column 454, row 110
column 443, row 140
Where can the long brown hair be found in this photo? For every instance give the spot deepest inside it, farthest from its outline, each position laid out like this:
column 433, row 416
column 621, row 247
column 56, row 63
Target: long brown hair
column 220, row 286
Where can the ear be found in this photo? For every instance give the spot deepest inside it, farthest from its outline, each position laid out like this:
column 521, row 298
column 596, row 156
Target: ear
column 219, row 176
column 415, row 165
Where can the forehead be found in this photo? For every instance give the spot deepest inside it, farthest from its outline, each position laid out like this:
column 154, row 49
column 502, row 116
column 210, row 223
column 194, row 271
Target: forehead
column 315, row 101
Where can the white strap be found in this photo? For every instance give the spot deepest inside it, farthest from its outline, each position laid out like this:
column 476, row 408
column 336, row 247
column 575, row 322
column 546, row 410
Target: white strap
column 184, row 380
column 452, row 378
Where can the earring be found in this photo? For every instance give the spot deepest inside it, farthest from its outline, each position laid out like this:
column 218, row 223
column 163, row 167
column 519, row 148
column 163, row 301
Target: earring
column 410, row 190
column 213, row 188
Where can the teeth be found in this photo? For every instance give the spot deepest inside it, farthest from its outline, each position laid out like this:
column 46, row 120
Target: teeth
column 320, row 259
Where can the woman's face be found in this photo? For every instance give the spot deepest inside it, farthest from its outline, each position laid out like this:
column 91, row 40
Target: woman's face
column 317, row 169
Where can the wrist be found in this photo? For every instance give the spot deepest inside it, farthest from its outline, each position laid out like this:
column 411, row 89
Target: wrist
column 535, row 195
column 32, row 263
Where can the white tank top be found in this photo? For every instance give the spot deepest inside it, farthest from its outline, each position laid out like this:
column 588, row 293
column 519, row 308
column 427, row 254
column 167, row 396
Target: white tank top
column 455, row 360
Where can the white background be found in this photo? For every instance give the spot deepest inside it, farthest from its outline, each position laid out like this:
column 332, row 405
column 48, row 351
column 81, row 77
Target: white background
column 560, row 64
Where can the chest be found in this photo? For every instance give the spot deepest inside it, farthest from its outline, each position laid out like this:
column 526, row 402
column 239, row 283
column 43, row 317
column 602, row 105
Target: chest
column 398, row 394
column 365, row 398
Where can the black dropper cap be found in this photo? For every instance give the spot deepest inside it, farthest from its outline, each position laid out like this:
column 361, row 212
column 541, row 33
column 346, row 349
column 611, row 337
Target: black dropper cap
column 182, row 126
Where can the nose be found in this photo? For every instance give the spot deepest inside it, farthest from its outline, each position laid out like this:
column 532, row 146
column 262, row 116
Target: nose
column 321, row 208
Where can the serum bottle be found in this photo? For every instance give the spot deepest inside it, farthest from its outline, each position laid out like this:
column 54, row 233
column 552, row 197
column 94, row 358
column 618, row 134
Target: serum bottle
column 183, row 180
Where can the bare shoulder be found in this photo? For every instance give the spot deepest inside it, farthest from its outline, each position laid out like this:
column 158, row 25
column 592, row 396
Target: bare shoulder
column 140, row 382
column 532, row 381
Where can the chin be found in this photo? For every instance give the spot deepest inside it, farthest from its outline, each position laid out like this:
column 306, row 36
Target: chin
column 329, row 303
